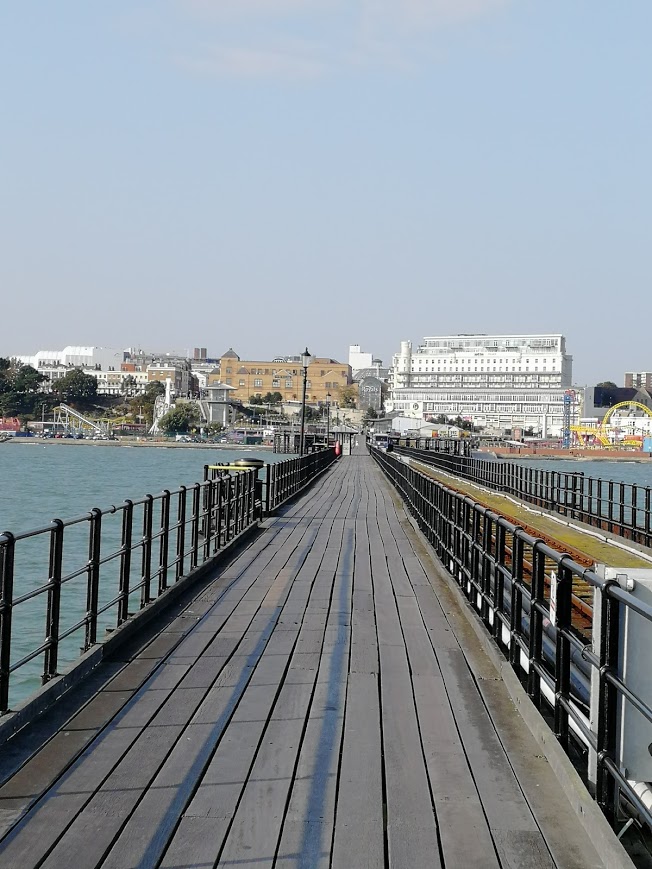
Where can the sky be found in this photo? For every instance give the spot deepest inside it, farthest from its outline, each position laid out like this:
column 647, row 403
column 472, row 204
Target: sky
column 276, row 174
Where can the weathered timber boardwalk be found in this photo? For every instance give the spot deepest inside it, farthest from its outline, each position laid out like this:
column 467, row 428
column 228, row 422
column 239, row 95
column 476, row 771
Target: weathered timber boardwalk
column 319, row 703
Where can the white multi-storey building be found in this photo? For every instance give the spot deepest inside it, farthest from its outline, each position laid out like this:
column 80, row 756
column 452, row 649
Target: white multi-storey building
column 496, row 381
column 100, row 358
column 358, row 359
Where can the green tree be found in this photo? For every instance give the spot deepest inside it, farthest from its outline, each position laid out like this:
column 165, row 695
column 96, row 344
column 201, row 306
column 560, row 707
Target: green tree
column 348, row 396
column 181, row 419
column 370, row 414
column 607, row 384
column 76, row 388
column 20, row 389
column 255, row 399
column 129, row 384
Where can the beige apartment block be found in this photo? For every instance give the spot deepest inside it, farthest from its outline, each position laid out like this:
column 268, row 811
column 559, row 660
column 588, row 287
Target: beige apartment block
column 285, row 376
column 178, row 374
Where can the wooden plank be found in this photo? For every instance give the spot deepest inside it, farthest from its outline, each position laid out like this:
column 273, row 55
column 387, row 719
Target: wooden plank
column 226, row 771
column 359, row 838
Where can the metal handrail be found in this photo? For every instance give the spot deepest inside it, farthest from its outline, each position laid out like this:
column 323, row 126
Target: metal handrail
column 623, row 509
column 486, row 554
column 161, row 538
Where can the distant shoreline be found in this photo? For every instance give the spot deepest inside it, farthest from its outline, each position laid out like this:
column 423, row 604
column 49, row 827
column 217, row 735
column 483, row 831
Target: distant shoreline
column 129, row 442
column 570, row 455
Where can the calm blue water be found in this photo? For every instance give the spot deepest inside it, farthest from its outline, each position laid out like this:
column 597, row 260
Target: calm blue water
column 619, row 471
column 42, row 481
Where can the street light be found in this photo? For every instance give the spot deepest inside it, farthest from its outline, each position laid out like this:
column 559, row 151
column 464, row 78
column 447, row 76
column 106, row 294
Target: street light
column 328, row 418
column 305, row 362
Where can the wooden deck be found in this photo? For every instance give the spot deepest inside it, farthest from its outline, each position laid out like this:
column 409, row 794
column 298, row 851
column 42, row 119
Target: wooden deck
column 312, row 707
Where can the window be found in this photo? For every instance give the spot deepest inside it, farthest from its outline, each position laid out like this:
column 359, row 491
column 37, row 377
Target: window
column 288, row 384
column 241, row 383
column 258, row 382
column 276, row 383
column 228, row 371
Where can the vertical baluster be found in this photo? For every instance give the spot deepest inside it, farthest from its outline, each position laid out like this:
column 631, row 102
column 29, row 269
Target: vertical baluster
column 516, row 614
column 125, row 562
column 563, row 650
column 93, row 586
column 207, row 519
column 7, row 554
column 607, row 698
column 164, row 542
column 54, row 601
column 181, row 533
column 146, row 562
column 194, row 525
column 537, row 592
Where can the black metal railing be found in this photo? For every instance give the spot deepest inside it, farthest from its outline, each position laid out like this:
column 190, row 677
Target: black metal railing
column 285, row 479
column 623, row 509
column 519, row 586
column 66, row 583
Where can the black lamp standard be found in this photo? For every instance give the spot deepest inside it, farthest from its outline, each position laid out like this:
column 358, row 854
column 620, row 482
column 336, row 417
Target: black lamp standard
column 328, row 418
column 305, row 362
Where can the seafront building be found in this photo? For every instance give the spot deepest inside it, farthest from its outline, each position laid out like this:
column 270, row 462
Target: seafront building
column 638, row 379
column 498, row 382
column 284, row 375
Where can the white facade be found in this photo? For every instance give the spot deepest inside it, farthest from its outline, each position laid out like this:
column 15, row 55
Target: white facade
column 101, row 358
column 496, row 381
column 358, row 359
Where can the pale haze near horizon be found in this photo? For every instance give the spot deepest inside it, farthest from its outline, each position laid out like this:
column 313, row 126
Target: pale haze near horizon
column 275, row 174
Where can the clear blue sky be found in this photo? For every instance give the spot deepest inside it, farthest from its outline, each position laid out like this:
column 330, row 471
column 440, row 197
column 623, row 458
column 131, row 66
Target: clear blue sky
column 268, row 174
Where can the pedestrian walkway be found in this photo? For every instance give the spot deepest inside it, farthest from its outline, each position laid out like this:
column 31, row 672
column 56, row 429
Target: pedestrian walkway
column 317, row 705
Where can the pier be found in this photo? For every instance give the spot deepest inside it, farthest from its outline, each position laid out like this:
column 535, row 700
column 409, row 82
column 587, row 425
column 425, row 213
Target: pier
column 322, row 696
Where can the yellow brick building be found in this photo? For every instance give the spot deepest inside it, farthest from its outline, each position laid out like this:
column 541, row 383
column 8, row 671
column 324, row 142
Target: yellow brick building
column 283, row 375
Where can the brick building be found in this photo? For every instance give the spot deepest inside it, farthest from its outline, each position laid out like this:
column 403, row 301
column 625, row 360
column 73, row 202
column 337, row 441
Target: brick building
column 283, row 375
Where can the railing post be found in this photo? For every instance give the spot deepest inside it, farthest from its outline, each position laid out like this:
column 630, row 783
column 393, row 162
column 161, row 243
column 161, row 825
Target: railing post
column 537, row 592
column 146, row 572
column 54, row 601
column 207, row 518
column 499, row 583
column 93, row 589
column 267, row 489
column 516, row 614
column 164, row 542
column 563, row 651
column 6, row 607
column 125, row 562
column 181, row 532
column 607, row 698
column 219, row 514
column 194, row 527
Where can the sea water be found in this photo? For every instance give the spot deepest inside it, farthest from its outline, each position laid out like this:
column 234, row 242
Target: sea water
column 41, row 481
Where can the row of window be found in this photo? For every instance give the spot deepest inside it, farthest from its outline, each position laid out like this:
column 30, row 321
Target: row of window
column 488, row 397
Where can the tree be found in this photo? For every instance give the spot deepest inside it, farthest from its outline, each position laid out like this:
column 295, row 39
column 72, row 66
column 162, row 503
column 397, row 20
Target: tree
column 20, row 388
column 607, row 384
column 153, row 390
column 180, row 419
column 370, row 414
column 348, row 396
column 129, row 384
column 255, row 399
column 76, row 387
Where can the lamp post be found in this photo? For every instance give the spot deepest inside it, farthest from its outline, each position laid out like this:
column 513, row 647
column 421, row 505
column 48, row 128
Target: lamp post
column 328, row 418
column 305, row 362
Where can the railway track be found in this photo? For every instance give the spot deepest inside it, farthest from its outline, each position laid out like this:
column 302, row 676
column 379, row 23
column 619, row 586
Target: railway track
column 582, row 599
